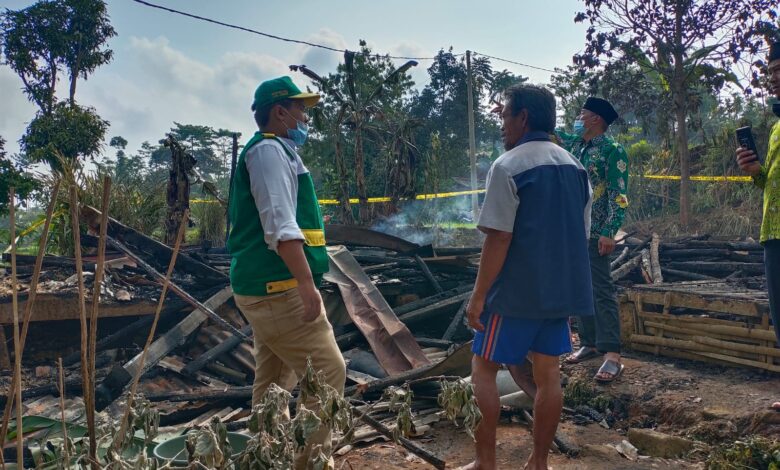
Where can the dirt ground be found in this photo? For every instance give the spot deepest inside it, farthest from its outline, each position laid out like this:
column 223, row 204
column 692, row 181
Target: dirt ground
column 708, row 404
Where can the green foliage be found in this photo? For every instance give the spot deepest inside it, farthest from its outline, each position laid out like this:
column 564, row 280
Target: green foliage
column 457, row 399
column 581, row 392
column 70, row 130
column 752, row 453
column 50, row 36
column 135, row 201
column 23, row 183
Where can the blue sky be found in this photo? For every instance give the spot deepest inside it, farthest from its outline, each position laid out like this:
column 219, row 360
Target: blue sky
column 170, row 68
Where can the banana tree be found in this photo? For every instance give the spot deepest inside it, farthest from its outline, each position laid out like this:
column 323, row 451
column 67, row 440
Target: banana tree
column 355, row 113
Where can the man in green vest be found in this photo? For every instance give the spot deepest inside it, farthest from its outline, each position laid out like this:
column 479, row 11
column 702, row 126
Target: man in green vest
column 277, row 245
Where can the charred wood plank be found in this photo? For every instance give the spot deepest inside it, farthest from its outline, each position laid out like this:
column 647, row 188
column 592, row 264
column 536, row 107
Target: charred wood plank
column 352, row 235
column 157, row 254
column 428, row 274
column 121, row 375
column 685, row 275
column 718, row 267
column 184, row 295
column 210, row 355
column 456, row 321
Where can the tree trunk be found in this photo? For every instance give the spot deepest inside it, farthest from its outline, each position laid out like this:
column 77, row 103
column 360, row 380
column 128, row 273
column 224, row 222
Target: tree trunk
column 74, row 75
column 360, row 176
column 681, row 110
column 341, row 169
column 685, row 163
column 178, row 191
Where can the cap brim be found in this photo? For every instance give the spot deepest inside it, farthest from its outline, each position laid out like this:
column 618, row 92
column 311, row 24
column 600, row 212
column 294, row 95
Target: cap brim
column 309, row 99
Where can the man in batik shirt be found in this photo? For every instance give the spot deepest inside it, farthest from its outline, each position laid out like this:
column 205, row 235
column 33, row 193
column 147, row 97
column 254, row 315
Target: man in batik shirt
column 607, row 166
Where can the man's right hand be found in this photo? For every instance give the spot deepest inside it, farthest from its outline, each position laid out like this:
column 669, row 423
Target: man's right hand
column 748, row 161
column 312, row 301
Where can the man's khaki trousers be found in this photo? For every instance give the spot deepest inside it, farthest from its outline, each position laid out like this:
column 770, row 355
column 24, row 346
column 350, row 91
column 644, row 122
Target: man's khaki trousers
column 283, row 342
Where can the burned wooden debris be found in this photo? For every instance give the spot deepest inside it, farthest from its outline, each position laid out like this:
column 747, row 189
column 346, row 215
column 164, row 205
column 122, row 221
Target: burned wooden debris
column 397, row 310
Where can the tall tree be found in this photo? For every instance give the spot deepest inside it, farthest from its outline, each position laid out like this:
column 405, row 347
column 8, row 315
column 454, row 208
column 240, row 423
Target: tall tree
column 689, row 43
column 52, row 36
column 359, row 97
column 34, row 44
column 87, row 31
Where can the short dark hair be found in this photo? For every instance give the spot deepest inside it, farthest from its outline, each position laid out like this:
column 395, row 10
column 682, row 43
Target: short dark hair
column 262, row 115
column 538, row 101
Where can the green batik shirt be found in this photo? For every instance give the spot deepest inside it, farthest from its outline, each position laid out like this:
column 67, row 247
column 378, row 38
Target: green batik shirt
column 769, row 181
column 607, row 165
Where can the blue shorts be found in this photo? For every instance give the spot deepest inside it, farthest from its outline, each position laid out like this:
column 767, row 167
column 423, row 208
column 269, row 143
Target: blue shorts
column 507, row 340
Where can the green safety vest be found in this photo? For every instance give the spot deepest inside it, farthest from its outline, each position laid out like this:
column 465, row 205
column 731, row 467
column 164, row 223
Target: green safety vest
column 254, row 268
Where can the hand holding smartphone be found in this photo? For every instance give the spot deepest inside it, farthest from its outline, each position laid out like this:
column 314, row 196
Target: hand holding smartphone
column 745, row 139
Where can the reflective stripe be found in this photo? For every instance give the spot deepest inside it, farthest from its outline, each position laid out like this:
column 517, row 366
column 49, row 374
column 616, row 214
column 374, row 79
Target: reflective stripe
column 280, row 286
column 314, row 237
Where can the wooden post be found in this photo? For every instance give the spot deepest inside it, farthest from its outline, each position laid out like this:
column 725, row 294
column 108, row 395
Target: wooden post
column 17, row 344
column 230, row 184
column 88, row 402
column 472, row 140
column 33, row 292
column 93, row 320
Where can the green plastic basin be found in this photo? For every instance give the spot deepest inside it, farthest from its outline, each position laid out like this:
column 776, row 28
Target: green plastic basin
column 174, row 448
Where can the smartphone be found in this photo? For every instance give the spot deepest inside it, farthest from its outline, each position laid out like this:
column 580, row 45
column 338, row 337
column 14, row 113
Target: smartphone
column 745, row 139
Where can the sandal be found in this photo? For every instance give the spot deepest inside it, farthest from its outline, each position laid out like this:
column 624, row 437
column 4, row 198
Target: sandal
column 582, row 354
column 613, row 368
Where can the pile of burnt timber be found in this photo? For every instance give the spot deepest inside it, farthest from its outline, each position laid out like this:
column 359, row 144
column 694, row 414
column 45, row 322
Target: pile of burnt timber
column 653, row 261
column 397, row 310
column 699, row 299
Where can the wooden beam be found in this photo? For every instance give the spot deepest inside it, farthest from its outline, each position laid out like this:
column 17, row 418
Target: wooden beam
column 113, row 385
column 50, row 307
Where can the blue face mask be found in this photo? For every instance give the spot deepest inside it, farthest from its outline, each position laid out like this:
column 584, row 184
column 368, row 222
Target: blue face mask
column 300, row 133
column 579, row 127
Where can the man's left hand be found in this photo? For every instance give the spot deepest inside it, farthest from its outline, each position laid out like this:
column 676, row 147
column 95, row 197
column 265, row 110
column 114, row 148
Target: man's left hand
column 606, row 245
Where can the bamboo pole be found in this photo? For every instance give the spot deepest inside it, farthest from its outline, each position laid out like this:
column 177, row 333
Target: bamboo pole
column 166, row 281
column 17, row 343
column 28, row 307
column 85, row 379
column 750, row 348
column 689, row 356
column 683, row 319
column 62, row 413
column 93, row 320
column 678, row 336
column 719, row 330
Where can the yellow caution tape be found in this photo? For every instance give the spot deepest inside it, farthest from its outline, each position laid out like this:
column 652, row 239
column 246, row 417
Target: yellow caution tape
column 733, row 179
column 419, row 197
column 37, row 224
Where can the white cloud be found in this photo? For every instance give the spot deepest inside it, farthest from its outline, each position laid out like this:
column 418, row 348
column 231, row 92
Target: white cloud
column 320, row 60
column 151, row 84
column 15, row 111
